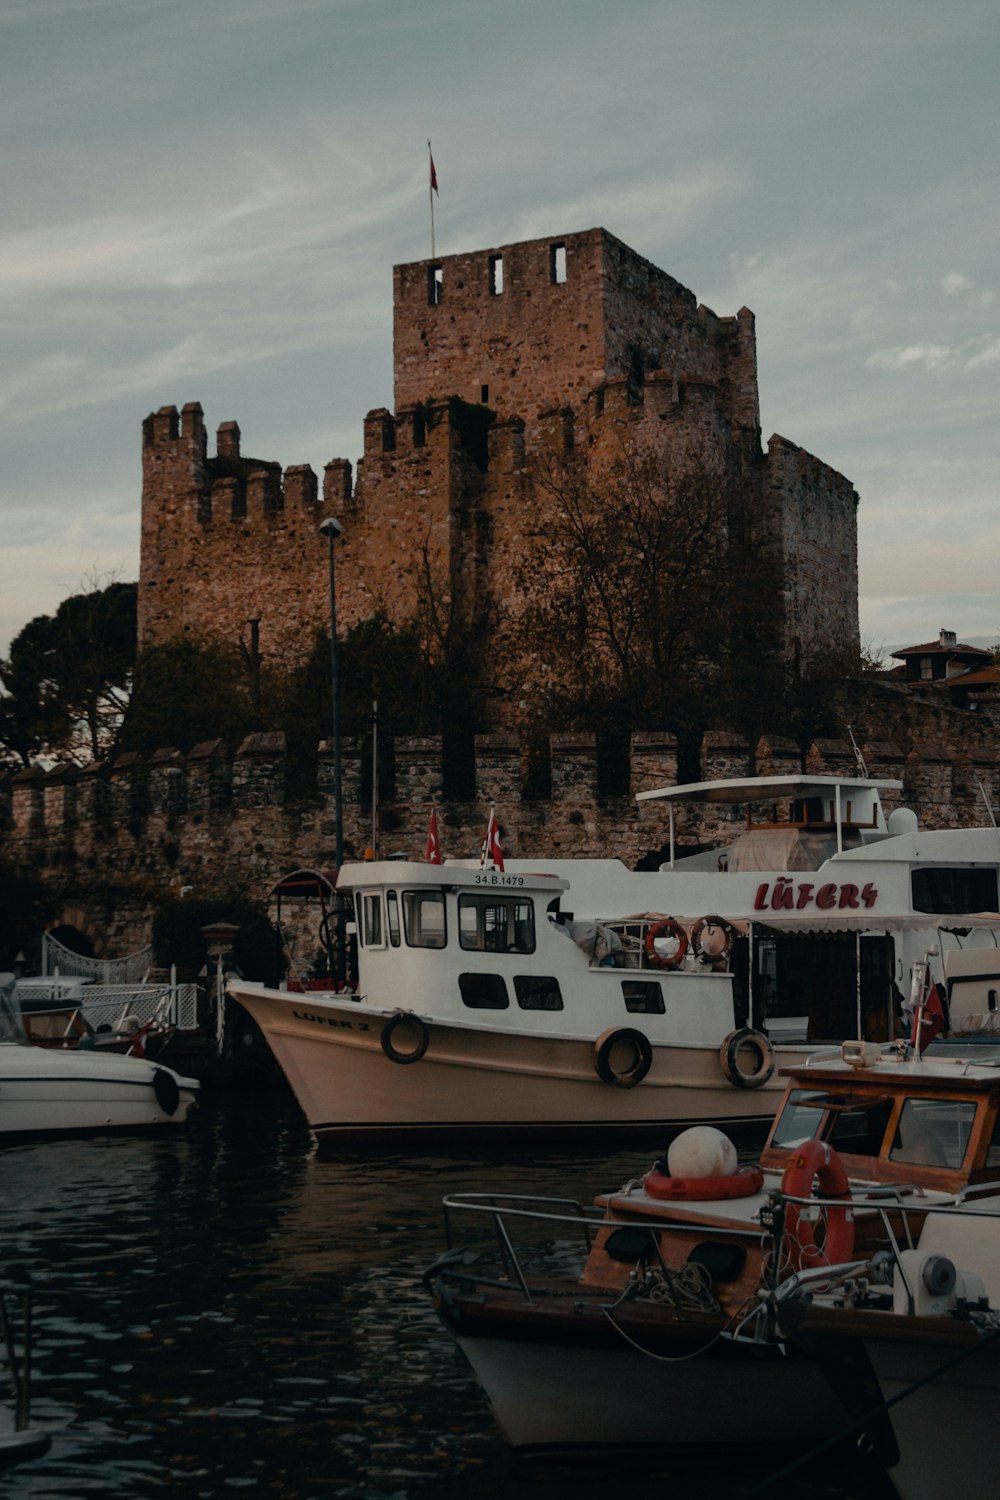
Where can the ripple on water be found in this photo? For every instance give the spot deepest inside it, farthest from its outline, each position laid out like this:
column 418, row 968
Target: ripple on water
column 227, row 1312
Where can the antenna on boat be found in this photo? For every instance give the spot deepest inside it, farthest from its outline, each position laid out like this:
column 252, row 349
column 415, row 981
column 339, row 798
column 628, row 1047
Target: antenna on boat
column 989, row 805
column 858, row 757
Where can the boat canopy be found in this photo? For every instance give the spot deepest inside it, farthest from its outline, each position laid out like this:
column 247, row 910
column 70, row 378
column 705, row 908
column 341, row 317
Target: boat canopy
column 771, row 789
column 838, row 802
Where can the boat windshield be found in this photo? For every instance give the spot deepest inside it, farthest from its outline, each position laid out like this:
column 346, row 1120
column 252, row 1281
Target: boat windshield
column 853, row 1124
column 11, row 1027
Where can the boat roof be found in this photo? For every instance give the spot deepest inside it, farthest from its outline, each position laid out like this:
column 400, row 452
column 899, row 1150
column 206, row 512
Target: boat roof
column 468, row 874
column 890, row 1072
column 767, row 788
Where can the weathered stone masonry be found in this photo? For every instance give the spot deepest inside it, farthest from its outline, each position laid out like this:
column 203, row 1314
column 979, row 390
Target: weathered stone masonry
column 576, row 344
column 111, row 842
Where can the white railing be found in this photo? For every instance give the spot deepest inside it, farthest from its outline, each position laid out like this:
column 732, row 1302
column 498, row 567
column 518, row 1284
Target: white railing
column 57, row 959
column 109, row 1004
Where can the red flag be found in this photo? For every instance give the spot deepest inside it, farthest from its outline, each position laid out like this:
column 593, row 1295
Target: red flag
column 492, row 848
column 433, row 855
column 434, row 178
column 929, row 1021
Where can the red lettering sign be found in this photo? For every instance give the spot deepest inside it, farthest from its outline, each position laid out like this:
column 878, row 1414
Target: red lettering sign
column 788, row 896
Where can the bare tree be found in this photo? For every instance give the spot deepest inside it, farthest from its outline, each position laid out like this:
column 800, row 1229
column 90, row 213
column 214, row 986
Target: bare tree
column 635, row 590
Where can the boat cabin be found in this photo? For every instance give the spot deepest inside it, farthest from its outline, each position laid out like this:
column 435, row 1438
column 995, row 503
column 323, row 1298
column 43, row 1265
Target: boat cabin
column 932, row 1123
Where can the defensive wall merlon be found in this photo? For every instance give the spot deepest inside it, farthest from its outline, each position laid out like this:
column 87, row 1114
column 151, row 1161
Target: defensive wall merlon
column 123, row 797
column 257, row 492
column 230, row 486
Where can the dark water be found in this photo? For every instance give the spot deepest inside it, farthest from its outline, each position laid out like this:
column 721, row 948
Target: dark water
column 225, row 1313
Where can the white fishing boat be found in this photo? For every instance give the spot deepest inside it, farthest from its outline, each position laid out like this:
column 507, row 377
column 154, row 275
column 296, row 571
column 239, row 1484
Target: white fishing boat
column 846, row 1288
column 580, row 995
column 47, row 1092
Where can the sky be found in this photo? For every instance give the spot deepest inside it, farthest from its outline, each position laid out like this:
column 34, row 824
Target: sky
column 203, row 201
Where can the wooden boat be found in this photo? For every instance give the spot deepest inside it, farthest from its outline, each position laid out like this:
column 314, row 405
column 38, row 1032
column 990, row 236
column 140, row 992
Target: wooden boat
column 691, row 1316
column 579, row 996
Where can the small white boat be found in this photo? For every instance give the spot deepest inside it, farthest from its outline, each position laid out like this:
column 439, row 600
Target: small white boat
column 48, row 1092
column 774, row 1307
column 578, row 995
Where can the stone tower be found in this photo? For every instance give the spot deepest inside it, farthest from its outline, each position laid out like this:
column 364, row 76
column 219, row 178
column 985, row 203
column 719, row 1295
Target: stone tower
column 569, row 344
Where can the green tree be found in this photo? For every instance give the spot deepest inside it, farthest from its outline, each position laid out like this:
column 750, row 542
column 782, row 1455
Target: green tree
column 66, row 684
column 186, row 692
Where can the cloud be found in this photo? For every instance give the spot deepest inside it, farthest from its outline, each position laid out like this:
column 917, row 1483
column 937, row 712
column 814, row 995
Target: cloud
column 971, row 355
column 955, row 282
column 929, row 356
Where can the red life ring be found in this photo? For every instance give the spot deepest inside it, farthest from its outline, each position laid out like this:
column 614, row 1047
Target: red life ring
column 739, row 1184
column 816, row 1161
column 670, row 929
column 721, row 925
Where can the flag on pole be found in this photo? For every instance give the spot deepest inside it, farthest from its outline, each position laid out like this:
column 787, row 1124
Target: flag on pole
column 430, row 196
column 492, row 848
column 929, row 1019
column 433, row 855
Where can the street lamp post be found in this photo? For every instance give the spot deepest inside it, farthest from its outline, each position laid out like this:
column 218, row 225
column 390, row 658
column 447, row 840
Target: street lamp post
column 332, row 529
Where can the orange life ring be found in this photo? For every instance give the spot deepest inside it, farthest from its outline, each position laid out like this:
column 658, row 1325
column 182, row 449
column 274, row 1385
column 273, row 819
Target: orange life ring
column 815, row 1161
column 739, row 1184
column 666, row 928
column 696, row 936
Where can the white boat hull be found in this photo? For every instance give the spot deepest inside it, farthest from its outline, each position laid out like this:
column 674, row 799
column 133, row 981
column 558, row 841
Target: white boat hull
column 945, row 1423
column 477, row 1078
column 52, row 1092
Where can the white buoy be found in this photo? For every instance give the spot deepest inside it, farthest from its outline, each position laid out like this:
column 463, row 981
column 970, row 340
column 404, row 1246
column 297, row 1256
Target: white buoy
column 701, row 1151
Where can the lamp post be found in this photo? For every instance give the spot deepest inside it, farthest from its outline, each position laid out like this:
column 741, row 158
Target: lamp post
column 332, row 528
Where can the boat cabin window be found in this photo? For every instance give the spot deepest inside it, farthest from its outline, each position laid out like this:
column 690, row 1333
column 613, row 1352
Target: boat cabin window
column 993, row 1154
column 858, row 1126
column 643, row 997
column 392, row 914
column 496, row 924
column 854, row 1125
column 371, row 911
column 956, row 888
column 538, row 992
column 933, row 1132
column 483, row 991
column 423, row 919
column 800, row 1118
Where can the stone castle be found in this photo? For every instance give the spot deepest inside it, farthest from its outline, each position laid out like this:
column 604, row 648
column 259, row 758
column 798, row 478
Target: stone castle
column 553, row 346
column 503, row 359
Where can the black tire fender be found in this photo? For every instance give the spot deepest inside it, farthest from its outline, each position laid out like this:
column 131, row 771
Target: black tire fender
column 168, row 1095
column 608, row 1071
column 731, row 1055
column 400, row 1019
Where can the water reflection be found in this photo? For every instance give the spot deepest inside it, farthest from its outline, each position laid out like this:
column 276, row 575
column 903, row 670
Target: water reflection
column 226, row 1312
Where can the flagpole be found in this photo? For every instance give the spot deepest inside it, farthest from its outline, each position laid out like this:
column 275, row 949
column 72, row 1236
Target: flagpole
column 430, row 195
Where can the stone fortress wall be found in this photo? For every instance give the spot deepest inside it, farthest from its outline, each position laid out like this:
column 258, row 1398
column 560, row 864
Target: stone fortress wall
column 576, row 345
column 113, row 841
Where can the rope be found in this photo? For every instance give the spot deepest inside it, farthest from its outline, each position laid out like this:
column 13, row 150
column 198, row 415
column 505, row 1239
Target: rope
column 687, row 1290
